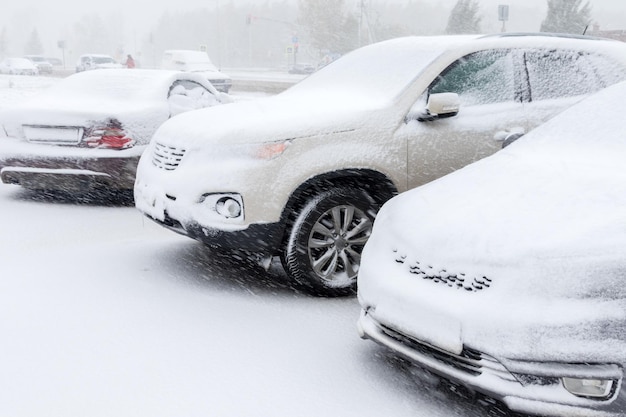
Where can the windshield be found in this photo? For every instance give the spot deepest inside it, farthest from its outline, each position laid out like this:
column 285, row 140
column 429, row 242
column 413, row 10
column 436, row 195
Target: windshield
column 103, row 60
column 379, row 72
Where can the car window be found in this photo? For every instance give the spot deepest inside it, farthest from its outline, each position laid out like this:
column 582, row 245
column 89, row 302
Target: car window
column 187, row 95
column 561, row 73
column 479, row 78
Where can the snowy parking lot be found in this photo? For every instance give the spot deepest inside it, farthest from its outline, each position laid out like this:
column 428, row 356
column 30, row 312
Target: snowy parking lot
column 104, row 313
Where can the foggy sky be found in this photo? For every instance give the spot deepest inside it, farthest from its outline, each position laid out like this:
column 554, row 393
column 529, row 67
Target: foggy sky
column 54, row 19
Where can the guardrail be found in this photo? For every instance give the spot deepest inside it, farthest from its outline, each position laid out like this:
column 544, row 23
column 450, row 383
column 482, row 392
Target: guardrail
column 250, row 80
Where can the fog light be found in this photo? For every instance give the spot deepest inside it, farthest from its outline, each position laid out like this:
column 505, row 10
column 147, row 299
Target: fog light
column 595, row 388
column 228, row 207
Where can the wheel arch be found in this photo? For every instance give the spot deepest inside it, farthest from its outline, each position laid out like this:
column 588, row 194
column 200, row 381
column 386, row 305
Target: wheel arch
column 380, row 187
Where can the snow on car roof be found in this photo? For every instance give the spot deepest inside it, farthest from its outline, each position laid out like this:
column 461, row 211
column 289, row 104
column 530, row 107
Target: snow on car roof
column 381, row 71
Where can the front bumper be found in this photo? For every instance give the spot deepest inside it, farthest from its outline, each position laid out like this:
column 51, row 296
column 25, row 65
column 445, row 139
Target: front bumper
column 529, row 387
column 256, row 238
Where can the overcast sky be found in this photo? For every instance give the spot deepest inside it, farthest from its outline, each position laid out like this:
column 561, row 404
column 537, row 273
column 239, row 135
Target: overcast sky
column 53, row 17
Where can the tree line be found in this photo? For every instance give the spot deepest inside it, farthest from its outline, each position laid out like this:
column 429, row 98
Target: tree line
column 279, row 33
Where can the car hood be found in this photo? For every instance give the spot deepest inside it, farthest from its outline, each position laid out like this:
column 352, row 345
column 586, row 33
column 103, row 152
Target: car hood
column 524, row 250
column 542, row 210
column 276, row 118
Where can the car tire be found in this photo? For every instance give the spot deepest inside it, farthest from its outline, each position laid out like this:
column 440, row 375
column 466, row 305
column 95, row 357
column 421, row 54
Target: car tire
column 324, row 245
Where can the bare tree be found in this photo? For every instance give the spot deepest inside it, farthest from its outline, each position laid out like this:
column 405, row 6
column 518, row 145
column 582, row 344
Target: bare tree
column 464, row 18
column 328, row 24
column 567, row 16
column 33, row 45
column 3, row 42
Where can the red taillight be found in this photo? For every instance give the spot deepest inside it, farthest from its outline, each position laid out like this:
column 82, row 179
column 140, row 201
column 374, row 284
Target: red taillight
column 109, row 138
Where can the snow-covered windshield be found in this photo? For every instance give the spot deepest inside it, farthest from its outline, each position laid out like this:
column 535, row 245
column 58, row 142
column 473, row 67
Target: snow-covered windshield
column 199, row 66
column 103, row 60
column 379, row 72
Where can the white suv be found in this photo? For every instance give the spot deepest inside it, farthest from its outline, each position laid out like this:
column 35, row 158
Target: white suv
column 302, row 174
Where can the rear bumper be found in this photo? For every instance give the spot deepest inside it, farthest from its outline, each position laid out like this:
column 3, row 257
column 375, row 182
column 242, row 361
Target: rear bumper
column 71, row 173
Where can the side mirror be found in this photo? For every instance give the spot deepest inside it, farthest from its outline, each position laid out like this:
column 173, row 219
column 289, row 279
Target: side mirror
column 439, row 106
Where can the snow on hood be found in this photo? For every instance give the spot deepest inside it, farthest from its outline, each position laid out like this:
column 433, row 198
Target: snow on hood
column 544, row 220
column 558, row 193
column 270, row 119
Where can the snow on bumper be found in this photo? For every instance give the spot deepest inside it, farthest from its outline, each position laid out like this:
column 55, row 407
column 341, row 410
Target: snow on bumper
column 66, row 168
column 533, row 387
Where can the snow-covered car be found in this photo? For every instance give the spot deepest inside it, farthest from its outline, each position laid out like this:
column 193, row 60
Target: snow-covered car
column 509, row 276
column 88, row 130
column 302, row 174
column 18, row 66
column 196, row 61
column 96, row 61
column 42, row 64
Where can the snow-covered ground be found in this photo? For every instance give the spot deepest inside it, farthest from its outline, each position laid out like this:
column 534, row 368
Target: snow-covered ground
column 104, row 313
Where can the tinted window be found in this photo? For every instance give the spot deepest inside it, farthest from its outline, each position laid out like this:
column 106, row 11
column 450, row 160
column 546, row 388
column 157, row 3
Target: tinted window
column 480, row 78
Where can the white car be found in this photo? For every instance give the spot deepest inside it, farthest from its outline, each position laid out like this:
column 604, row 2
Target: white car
column 87, row 131
column 42, row 64
column 301, row 174
column 196, row 61
column 509, row 276
column 96, row 61
column 18, row 66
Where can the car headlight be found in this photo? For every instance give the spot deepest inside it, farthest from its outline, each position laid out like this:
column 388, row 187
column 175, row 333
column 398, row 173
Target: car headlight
column 269, row 150
column 592, row 388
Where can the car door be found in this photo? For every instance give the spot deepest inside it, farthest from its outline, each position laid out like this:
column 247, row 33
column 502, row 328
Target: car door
column 558, row 79
column 488, row 85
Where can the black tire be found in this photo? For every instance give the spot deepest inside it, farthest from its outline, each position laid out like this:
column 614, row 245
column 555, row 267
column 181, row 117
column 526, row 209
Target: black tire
column 324, row 245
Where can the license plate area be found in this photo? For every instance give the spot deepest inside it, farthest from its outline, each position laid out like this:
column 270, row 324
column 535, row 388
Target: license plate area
column 56, row 135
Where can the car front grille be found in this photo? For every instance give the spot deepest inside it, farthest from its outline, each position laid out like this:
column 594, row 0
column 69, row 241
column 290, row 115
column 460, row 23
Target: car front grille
column 470, row 361
column 167, row 157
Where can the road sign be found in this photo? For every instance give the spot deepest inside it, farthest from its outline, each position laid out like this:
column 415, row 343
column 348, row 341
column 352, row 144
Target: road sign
column 503, row 12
